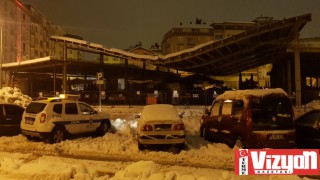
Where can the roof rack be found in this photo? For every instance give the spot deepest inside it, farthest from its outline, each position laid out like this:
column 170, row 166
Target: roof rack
column 70, row 96
column 54, row 99
column 64, row 97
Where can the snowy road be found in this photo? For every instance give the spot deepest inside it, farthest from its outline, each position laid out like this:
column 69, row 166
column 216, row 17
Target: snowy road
column 120, row 148
column 97, row 158
column 187, row 158
column 116, row 155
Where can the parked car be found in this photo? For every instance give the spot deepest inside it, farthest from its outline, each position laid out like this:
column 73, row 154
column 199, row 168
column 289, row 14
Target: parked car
column 56, row 118
column 160, row 124
column 308, row 130
column 259, row 118
column 10, row 117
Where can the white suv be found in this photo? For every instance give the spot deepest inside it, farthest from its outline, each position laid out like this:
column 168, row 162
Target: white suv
column 54, row 119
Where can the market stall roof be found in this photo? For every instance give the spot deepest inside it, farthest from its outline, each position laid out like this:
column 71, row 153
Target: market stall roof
column 252, row 48
column 199, row 78
column 255, row 47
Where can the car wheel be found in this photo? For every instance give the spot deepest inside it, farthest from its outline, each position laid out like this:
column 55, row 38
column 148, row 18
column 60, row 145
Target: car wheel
column 201, row 128
column 141, row 146
column 239, row 143
column 57, row 135
column 103, row 128
column 182, row 146
column 30, row 138
column 204, row 134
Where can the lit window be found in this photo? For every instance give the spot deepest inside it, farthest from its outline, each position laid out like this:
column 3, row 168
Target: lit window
column 121, row 84
column 308, row 81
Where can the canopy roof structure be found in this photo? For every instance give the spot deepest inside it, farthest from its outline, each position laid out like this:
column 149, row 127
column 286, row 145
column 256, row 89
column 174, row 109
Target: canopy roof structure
column 231, row 55
column 240, row 52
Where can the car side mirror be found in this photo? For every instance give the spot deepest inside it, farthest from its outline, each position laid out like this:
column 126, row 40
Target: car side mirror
column 207, row 112
column 89, row 112
column 138, row 115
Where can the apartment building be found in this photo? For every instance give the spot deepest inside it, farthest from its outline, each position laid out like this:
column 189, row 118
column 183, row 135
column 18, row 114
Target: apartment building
column 25, row 31
column 40, row 31
column 14, row 23
column 186, row 36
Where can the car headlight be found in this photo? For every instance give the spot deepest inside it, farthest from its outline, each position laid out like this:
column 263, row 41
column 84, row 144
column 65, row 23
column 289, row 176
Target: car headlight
column 178, row 127
column 146, row 127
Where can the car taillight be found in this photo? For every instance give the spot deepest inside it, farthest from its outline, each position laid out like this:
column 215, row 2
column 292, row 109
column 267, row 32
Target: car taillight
column 146, row 127
column 248, row 118
column 178, row 127
column 43, row 118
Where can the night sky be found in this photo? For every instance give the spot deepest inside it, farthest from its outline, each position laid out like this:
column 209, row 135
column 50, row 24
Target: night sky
column 123, row 23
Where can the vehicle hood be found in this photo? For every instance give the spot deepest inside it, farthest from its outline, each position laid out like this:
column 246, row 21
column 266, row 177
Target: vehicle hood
column 104, row 115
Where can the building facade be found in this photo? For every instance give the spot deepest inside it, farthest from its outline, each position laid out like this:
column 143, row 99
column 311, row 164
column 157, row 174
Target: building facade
column 186, row 36
column 25, row 33
column 15, row 26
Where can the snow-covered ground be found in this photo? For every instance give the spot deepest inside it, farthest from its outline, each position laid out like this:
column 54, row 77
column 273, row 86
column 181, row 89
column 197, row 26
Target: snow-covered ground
column 116, row 155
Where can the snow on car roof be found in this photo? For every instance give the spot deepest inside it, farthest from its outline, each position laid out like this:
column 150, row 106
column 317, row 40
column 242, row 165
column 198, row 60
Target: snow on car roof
column 157, row 112
column 244, row 94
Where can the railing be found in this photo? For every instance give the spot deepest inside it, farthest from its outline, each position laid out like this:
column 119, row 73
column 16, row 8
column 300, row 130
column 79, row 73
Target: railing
column 190, row 97
column 187, row 97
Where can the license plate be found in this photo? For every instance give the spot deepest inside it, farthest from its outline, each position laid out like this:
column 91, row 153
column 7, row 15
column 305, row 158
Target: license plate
column 276, row 136
column 29, row 122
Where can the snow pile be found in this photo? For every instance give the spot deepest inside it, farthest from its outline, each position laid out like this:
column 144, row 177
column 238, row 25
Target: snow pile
column 14, row 95
column 243, row 94
column 149, row 170
column 139, row 170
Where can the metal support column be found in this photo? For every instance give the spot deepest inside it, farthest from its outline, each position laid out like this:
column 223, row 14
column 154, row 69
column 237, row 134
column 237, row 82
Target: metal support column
column 297, row 68
column 126, row 82
column 289, row 79
column 54, row 78
column 64, row 70
column 1, row 57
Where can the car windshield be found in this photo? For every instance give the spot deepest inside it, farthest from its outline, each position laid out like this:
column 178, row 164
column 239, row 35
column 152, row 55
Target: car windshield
column 272, row 113
column 159, row 113
column 35, row 107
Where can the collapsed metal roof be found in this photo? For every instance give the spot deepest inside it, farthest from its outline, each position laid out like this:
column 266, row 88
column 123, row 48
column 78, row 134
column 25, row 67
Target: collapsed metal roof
column 240, row 52
column 252, row 48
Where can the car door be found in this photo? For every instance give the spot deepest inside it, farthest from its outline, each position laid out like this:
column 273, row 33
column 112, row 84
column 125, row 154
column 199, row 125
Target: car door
column 75, row 124
column 316, row 126
column 90, row 116
column 11, row 118
column 307, row 129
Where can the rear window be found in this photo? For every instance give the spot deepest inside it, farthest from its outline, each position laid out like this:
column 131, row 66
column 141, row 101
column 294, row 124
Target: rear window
column 35, row 107
column 159, row 113
column 272, row 113
column 13, row 110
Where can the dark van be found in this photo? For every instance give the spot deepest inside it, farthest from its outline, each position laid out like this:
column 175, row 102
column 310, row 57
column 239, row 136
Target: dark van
column 10, row 118
column 259, row 118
